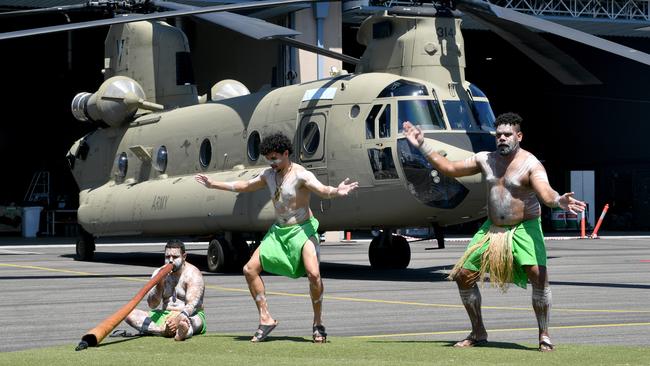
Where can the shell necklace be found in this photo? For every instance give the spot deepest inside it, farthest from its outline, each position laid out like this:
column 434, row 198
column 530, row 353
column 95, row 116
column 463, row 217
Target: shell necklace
column 278, row 186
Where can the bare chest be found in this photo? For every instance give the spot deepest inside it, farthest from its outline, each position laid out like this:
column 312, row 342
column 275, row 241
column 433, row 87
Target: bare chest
column 174, row 290
column 511, row 176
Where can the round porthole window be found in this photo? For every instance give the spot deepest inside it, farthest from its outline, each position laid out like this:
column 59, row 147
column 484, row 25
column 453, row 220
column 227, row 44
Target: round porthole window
column 122, row 165
column 354, row 111
column 205, row 154
column 160, row 164
column 254, row 146
column 310, row 138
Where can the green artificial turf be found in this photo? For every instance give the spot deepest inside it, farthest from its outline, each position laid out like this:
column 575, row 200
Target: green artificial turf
column 214, row 349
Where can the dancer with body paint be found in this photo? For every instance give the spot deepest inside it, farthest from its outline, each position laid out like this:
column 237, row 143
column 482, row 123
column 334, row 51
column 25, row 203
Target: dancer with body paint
column 290, row 247
column 510, row 244
column 181, row 293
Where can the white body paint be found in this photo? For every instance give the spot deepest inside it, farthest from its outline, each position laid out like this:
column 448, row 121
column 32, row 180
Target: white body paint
column 292, row 205
column 511, row 198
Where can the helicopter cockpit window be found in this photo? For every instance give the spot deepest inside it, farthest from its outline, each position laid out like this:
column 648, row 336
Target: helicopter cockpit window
column 384, row 122
column 122, row 164
column 483, row 112
column 403, row 88
column 310, row 138
column 160, row 164
column 184, row 71
column 205, row 154
column 254, row 146
column 476, row 92
column 460, row 115
column 424, row 113
column 370, row 121
column 382, row 163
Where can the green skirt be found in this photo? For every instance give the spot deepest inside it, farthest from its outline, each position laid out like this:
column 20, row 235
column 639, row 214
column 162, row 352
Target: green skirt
column 281, row 248
column 527, row 249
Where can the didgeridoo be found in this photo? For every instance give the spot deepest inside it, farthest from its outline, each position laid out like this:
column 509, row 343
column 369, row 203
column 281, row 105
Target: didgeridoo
column 95, row 335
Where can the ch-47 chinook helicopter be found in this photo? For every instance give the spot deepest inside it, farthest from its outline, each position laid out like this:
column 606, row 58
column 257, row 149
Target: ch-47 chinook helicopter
column 135, row 172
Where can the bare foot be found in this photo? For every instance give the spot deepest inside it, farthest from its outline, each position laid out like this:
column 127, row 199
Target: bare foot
column 182, row 329
column 472, row 341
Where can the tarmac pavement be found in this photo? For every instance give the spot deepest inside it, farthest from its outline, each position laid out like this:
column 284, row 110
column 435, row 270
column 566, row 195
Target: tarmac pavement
column 600, row 294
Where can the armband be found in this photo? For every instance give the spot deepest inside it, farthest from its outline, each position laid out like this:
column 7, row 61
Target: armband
column 231, row 186
column 426, row 149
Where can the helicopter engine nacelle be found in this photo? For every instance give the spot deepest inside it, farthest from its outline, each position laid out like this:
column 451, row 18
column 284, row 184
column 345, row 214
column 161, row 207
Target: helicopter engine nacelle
column 116, row 102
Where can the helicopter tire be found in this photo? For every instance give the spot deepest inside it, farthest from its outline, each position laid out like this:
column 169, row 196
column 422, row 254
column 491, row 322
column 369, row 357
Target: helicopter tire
column 400, row 252
column 217, row 254
column 377, row 254
column 85, row 247
column 389, row 252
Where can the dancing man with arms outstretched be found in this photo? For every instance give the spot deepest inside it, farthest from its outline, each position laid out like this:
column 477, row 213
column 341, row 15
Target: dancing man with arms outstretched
column 510, row 244
column 290, row 247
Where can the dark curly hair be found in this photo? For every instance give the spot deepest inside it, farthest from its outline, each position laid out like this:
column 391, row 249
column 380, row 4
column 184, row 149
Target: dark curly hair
column 509, row 118
column 175, row 243
column 276, row 142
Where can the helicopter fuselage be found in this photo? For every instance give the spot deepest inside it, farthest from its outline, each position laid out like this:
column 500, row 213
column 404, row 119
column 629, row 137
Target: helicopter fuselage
column 138, row 179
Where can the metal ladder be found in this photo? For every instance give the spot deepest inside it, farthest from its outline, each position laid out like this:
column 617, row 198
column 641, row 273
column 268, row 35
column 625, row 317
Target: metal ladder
column 39, row 188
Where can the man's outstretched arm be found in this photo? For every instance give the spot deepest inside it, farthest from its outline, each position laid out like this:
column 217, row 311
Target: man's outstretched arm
column 314, row 185
column 449, row 168
column 237, row 186
column 550, row 197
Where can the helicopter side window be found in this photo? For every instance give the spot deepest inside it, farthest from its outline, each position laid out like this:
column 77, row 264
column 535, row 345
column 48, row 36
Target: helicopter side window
column 384, row 122
column 403, row 88
column 254, row 146
column 381, row 161
column 311, row 138
column 420, row 112
column 122, row 165
column 160, row 164
column 460, row 115
column 205, row 153
column 370, row 121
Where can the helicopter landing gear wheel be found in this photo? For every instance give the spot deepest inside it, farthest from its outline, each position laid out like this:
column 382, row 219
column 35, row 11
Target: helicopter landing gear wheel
column 218, row 255
column 85, row 246
column 388, row 251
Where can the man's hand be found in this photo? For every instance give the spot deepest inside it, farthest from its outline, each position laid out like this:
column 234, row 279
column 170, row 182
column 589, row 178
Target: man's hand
column 568, row 203
column 345, row 187
column 413, row 134
column 203, row 179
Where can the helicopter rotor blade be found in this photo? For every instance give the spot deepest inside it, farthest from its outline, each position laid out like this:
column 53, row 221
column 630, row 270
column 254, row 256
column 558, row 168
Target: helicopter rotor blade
column 259, row 29
column 512, row 26
column 139, row 17
column 251, row 27
column 321, row 51
column 53, row 9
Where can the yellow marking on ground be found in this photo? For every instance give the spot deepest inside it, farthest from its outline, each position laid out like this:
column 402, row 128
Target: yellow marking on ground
column 69, row 271
column 339, row 298
column 587, row 326
column 378, row 301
